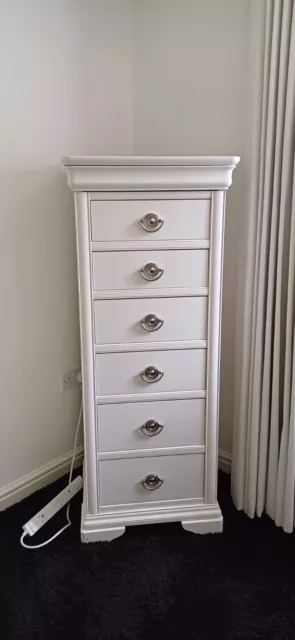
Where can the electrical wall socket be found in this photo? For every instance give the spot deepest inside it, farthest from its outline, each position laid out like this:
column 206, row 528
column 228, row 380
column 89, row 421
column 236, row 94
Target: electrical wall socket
column 71, row 379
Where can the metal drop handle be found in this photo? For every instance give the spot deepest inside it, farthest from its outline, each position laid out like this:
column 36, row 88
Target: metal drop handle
column 152, row 482
column 151, row 222
column 151, row 374
column 151, row 428
column 151, row 322
column 151, row 271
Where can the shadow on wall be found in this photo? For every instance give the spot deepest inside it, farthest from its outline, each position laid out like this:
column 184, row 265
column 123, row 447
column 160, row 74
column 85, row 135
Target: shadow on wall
column 39, row 318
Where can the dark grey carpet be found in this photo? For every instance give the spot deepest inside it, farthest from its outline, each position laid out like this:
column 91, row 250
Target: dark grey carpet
column 153, row 583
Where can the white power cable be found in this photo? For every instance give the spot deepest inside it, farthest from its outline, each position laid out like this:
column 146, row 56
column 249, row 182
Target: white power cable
column 43, row 544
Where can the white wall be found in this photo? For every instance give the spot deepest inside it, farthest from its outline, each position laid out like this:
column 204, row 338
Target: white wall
column 190, row 61
column 66, row 88
column 77, row 77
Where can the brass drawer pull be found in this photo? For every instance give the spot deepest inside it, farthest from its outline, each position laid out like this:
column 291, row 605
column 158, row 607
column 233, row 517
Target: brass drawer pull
column 152, row 482
column 151, row 374
column 151, row 428
column 151, row 322
column 151, row 222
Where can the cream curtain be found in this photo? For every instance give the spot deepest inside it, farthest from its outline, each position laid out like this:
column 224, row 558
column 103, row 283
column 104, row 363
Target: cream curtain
column 263, row 469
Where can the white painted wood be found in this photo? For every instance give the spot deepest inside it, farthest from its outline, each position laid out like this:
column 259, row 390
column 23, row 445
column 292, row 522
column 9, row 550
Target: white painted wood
column 150, row 346
column 147, row 453
column 141, row 173
column 183, row 423
column 87, row 356
column 146, row 161
column 151, row 397
column 121, row 269
column 121, row 480
column 119, row 321
column 150, row 513
column 214, row 329
column 149, row 195
column 162, row 178
column 16, row 491
column 199, row 519
column 120, row 373
column 119, row 294
column 102, row 535
column 144, row 245
column 204, row 526
column 120, row 220
column 150, row 507
column 188, row 194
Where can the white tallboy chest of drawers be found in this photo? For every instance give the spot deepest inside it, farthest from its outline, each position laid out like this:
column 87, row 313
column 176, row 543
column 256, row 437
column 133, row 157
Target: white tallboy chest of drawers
column 150, row 252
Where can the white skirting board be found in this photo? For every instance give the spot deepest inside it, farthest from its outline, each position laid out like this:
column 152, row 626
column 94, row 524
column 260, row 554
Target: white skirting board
column 20, row 489
column 224, row 461
column 48, row 473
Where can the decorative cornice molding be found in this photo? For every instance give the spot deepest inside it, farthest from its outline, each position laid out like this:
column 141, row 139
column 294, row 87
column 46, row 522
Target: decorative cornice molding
column 137, row 173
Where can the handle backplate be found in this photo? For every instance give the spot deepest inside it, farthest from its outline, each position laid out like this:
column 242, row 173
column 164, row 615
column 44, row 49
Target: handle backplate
column 151, row 322
column 151, row 271
column 151, row 374
column 152, row 482
column 151, row 222
column 151, row 428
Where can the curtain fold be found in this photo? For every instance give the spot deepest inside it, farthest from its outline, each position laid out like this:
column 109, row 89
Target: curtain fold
column 263, row 470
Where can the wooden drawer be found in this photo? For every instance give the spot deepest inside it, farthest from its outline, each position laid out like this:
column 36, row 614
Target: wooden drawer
column 129, row 426
column 122, row 269
column 120, row 481
column 113, row 220
column 121, row 373
column 150, row 320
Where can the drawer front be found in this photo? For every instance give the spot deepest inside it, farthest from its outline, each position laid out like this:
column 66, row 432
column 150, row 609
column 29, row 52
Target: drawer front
column 120, row 481
column 150, row 320
column 129, row 220
column 151, row 425
column 124, row 373
column 129, row 269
